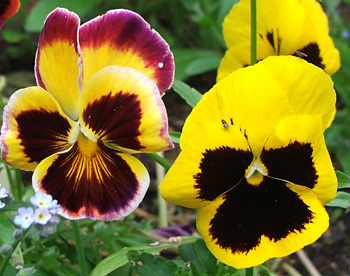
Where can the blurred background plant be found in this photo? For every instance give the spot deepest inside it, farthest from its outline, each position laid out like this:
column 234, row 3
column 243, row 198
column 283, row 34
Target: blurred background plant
column 194, row 32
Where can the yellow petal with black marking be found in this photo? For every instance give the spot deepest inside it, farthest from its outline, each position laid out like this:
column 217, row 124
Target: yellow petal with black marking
column 34, row 127
column 269, row 91
column 297, row 153
column 92, row 180
column 211, row 164
column 307, row 37
column 123, row 107
column 251, row 224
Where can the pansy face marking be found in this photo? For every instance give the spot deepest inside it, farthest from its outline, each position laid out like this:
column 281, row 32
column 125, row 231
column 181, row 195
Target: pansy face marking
column 97, row 101
column 307, row 38
column 259, row 184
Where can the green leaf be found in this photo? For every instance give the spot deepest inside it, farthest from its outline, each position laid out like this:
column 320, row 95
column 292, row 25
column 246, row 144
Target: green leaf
column 6, row 230
column 37, row 16
column 118, row 259
column 199, row 255
column 342, row 200
column 146, row 264
column 190, row 95
column 343, row 180
column 191, row 62
column 175, row 137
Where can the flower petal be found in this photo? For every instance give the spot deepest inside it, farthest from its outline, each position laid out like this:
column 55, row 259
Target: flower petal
column 92, row 180
column 57, row 64
column 243, row 98
column 34, row 128
column 123, row 107
column 7, row 9
column 297, row 153
column 121, row 37
column 308, row 88
column 277, row 87
column 239, row 57
column 211, row 164
column 251, row 224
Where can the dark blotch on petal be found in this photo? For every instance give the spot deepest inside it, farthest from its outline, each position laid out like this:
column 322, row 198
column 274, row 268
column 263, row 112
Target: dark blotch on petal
column 311, row 53
column 293, row 163
column 42, row 133
column 221, row 169
column 115, row 119
column 103, row 182
column 271, row 39
column 249, row 211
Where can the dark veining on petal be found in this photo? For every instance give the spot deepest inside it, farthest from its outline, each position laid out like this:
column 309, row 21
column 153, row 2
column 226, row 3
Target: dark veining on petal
column 42, row 133
column 311, row 53
column 115, row 119
column 103, row 182
column 270, row 36
column 293, row 163
column 221, row 169
column 248, row 212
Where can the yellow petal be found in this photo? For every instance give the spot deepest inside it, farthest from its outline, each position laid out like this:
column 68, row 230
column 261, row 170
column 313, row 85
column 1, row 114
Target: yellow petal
column 57, row 64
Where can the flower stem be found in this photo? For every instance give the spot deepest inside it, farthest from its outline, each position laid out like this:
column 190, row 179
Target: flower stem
column 162, row 204
column 9, row 255
column 160, row 160
column 80, row 248
column 249, row 271
column 253, row 38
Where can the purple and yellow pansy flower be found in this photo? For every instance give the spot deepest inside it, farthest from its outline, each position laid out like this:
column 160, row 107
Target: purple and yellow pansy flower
column 289, row 27
column 254, row 161
column 97, row 99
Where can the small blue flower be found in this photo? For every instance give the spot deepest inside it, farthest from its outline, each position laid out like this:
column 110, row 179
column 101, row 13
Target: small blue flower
column 42, row 200
column 25, row 217
column 2, row 205
column 3, row 192
column 42, row 216
column 346, row 34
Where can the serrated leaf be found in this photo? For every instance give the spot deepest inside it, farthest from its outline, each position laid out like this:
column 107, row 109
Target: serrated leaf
column 118, row 259
column 189, row 94
column 200, row 257
column 146, row 264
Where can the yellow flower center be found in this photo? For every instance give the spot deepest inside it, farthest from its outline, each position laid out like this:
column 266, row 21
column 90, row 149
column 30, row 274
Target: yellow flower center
column 255, row 174
column 87, row 147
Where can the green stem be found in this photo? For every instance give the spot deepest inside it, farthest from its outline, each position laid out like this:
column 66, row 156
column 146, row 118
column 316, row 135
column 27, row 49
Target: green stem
column 162, row 204
column 249, row 271
column 160, row 160
column 253, row 39
column 80, row 248
column 7, row 258
column 13, row 188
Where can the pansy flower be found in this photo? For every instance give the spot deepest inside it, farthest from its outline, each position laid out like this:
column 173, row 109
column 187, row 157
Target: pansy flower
column 289, row 27
column 7, row 9
column 254, row 161
column 98, row 99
